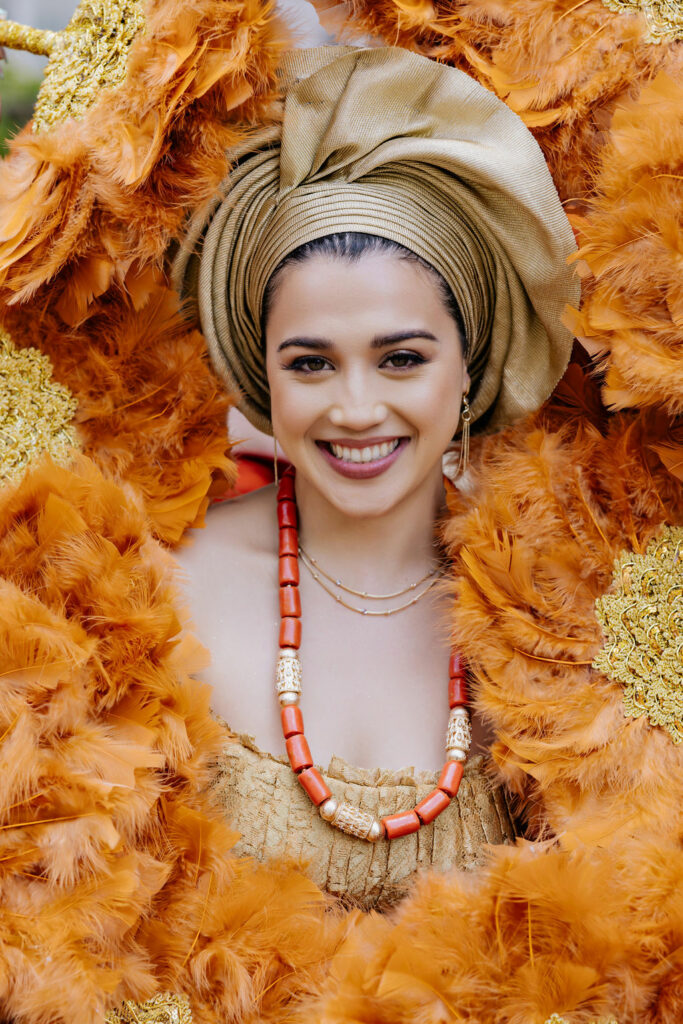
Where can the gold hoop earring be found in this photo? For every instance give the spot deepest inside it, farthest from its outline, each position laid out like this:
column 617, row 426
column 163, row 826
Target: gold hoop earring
column 276, row 475
column 466, row 418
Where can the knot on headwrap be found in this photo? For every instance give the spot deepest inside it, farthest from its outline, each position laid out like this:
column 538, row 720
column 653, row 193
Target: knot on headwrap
column 388, row 143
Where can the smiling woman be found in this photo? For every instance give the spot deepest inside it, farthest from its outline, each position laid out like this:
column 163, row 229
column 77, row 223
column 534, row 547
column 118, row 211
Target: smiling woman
column 370, row 291
column 354, row 393
column 360, row 351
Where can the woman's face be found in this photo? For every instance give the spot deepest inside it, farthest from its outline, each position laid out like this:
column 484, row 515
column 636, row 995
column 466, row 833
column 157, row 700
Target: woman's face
column 366, row 378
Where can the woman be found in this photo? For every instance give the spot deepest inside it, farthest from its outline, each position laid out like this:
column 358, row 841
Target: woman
column 117, row 876
column 363, row 287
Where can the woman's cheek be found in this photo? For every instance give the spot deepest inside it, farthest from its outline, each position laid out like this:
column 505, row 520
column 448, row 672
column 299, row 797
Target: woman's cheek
column 294, row 412
column 435, row 411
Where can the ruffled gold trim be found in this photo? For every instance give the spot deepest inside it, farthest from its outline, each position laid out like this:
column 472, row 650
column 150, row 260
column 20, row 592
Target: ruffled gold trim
column 253, row 787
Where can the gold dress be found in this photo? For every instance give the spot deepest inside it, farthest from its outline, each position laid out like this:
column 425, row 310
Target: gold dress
column 275, row 818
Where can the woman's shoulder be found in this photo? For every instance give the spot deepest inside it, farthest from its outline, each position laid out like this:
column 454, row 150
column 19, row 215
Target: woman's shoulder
column 228, row 580
column 239, row 528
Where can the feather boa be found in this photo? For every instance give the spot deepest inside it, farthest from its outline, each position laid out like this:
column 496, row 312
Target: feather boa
column 630, row 240
column 115, row 873
column 554, row 508
column 150, row 410
column 589, row 935
column 87, row 211
column 91, row 206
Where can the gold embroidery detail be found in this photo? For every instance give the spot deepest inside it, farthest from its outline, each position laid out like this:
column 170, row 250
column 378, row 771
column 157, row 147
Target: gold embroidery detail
column 35, row 411
column 643, row 622
column 90, row 55
column 555, row 1018
column 664, row 17
column 162, row 1009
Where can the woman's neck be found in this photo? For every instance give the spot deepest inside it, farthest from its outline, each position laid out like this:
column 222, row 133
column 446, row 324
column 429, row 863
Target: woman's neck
column 379, row 553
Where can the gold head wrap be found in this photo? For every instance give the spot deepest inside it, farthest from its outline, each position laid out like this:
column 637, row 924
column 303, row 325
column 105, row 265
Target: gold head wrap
column 389, row 143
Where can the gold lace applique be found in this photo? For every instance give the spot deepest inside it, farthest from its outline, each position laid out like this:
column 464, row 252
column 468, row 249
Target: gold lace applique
column 90, row 55
column 35, row 411
column 664, row 17
column 161, row 1009
column 643, row 622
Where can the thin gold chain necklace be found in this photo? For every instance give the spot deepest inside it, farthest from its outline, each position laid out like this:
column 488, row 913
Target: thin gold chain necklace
column 363, row 593
column 367, row 611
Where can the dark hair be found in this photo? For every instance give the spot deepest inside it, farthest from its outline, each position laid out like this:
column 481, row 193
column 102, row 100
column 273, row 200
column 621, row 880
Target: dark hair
column 351, row 246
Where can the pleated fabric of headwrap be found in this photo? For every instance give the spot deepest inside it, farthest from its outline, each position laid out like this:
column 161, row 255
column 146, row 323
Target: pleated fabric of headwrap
column 386, row 142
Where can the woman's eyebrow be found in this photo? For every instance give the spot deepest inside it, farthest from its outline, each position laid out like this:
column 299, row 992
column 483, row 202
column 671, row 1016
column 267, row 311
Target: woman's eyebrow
column 380, row 340
column 319, row 344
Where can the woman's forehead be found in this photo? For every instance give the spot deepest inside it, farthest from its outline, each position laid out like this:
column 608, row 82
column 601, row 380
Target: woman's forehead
column 382, row 286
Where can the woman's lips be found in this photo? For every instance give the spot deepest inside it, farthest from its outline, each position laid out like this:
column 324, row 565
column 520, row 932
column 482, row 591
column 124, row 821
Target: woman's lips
column 362, row 470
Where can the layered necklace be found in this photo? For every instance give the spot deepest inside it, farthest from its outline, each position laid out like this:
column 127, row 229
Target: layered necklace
column 429, row 580
column 345, row 816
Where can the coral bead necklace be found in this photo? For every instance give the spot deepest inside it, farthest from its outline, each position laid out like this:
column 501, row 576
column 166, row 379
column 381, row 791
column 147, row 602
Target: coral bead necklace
column 344, row 816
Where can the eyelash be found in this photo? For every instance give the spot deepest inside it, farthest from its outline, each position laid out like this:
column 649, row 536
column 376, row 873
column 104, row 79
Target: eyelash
column 415, row 359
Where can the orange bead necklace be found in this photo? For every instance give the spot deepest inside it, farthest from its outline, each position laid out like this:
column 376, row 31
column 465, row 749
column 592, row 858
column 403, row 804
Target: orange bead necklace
column 343, row 816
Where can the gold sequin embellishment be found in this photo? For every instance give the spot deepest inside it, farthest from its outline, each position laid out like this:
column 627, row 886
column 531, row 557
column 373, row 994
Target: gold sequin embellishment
column 90, row 55
column 664, row 17
column 643, row 622
column 35, row 411
column 162, row 1009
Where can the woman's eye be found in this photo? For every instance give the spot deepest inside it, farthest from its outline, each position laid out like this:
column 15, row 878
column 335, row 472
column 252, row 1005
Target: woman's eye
column 403, row 360
column 309, row 364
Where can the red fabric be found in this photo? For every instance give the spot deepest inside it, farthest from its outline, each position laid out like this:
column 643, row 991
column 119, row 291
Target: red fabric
column 252, row 472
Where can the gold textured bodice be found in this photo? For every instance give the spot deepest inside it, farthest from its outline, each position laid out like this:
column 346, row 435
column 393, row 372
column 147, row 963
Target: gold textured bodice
column 264, row 803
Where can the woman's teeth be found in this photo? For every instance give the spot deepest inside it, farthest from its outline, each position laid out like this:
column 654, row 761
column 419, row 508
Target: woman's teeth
column 369, row 454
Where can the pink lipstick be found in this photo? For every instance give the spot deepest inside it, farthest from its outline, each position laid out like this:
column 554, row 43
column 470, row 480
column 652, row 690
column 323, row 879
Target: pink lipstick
column 339, row 453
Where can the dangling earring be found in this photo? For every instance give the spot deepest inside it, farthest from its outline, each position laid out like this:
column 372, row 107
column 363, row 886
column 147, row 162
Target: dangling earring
column 466, row 418
column 276, row 475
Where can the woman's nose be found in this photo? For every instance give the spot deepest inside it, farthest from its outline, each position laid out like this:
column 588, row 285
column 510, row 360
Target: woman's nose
column 356, row 401
column 357, row 414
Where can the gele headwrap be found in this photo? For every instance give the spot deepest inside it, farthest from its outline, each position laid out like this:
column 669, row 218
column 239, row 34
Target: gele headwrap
column 389, row 143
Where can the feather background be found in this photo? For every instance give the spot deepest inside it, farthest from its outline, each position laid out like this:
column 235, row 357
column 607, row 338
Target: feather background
column 116, row 877
column 553, row 508
column 87, row 212
column 591, row 935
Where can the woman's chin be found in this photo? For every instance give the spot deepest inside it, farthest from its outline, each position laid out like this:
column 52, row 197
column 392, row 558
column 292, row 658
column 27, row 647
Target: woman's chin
column 371, row 498
column 364, row 508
